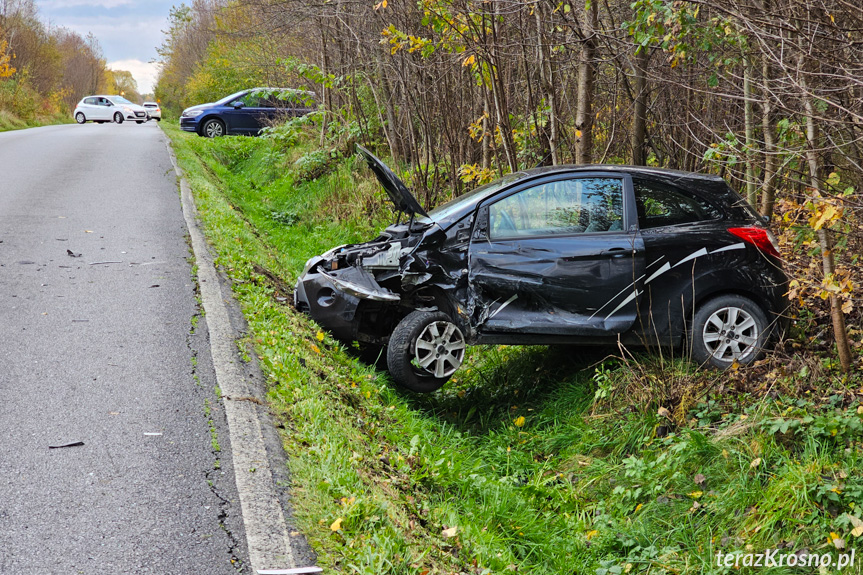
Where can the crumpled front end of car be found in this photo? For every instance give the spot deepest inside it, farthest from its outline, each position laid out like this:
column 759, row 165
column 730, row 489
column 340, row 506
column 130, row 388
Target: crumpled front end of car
column 359, row 291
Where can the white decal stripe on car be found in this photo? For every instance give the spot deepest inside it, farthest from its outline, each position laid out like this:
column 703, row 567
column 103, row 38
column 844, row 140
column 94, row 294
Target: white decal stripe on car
column 740, row 246
column 503, row 305
column 692, row 256
column 659, row 272
column 627, row 288
column 631, row 297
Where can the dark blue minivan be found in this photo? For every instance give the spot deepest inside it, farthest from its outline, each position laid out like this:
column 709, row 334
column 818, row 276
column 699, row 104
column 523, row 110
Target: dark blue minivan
column 247, row 112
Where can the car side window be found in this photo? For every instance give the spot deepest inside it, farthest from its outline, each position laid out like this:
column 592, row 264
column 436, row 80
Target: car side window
column 563, row 207
column 660, row 204
column 90, row 101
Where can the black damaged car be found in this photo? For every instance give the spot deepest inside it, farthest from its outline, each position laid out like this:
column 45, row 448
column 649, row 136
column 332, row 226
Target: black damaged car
column 587, row 255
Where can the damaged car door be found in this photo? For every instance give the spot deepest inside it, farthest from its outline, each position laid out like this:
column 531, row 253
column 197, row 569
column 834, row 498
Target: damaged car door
column 559, row 257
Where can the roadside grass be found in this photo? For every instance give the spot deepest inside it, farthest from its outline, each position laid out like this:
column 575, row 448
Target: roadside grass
column 534, row 460
column 9, row 121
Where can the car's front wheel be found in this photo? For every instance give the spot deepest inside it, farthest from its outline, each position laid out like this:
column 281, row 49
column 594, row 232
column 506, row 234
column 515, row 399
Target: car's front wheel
column 80, row 118
column 729, row 329
column 118, row 117
column 213, row 128
column 425, row 349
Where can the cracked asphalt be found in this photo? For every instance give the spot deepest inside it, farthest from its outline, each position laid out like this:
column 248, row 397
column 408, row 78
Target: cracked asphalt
column 95, row 347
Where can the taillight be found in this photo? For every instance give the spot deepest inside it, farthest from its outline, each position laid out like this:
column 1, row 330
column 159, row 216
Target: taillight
column 758, row 237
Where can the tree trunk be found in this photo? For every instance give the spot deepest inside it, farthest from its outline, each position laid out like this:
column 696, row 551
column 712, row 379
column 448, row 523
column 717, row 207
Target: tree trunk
column 547, row 80
column 584, row 110
column 749, row 130
column 768, row 121
column 639, row 118
column 824, row 240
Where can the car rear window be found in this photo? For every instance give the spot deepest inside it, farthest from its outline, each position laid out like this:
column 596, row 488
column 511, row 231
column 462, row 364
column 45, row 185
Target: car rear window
column 661, row 204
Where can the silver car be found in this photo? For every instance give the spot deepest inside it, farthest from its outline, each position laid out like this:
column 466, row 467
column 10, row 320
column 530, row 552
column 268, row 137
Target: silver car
column 104, row 108
column 154, row 110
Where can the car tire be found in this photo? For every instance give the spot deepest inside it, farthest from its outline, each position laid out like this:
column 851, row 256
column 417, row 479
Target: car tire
column 729, row 329
column 118, row 117
column 158, row 119
column 80, row 117
column 425, row 349
column 213, row 128
column 139, row 121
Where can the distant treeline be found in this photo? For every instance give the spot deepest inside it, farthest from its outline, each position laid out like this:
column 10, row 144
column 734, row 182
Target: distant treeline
column 45, row 71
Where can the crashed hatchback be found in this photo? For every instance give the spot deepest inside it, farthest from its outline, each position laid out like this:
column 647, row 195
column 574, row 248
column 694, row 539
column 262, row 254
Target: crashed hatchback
column 588, row 255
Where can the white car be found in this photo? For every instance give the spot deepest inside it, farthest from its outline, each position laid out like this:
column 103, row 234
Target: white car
column 103, row 108
column 154, row 110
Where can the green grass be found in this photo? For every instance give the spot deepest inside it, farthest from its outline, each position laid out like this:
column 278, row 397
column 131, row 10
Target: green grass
column 9, row 121
column 532, row 460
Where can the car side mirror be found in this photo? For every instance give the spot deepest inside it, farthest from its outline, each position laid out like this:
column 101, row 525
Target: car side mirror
column 238, row 105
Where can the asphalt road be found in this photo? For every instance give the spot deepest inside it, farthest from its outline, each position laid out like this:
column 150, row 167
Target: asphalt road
column 97, row 349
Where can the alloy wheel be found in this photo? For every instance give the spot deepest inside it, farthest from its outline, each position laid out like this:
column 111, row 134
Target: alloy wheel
column 731, row 334
column 213, row 129
column 439, row 349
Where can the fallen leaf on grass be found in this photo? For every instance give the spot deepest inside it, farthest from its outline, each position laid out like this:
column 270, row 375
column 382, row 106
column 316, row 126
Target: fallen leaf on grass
column 337, row 524
column 699, row 479
column 449, row 532
column 519, row 421
column 755, row 463
column 837, row 541
column 857, row 523
column 662, row 412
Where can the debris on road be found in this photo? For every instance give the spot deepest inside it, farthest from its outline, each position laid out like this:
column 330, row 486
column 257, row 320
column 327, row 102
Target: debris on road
column 75, row 444
column 70, row 253
column 98, row 263
column 152, row 433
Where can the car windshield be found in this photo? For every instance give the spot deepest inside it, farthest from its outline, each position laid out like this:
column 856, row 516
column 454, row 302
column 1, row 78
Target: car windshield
column 231, row 98
column 474, row 196
column 120, row 100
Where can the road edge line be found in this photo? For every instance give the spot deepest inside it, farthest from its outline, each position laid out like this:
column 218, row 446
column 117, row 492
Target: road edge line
column 267, row 537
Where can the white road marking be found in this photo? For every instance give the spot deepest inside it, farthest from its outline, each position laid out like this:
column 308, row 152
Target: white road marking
column 264, row 520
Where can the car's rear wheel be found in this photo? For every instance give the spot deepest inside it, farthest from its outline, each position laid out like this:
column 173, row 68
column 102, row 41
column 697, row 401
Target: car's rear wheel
column 213, row 128
column 729, row 329
column 118, row 117
column 80, row 118
column 425, row 349
column 139, row 121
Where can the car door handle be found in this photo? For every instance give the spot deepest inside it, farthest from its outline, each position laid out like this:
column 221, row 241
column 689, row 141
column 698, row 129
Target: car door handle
column 616, row 252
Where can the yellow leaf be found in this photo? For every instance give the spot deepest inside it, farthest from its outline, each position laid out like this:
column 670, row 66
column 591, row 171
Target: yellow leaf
column 847, row 306
column 519, row 421
column 696, row 494
column 337, row 524
column 638, row 507
column 316, row 349
column 578, row 133
column 449, row 532
column 469, row 60
column 860, row 410
column 755, row 463
column 662, row 412
column 857, row 523
column 320, row 336
column 591, row 534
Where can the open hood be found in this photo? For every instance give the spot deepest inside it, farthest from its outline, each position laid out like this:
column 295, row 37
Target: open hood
column 395, row 188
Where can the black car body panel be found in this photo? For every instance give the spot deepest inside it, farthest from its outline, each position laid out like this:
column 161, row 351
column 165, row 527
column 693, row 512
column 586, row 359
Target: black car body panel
column 567, row 254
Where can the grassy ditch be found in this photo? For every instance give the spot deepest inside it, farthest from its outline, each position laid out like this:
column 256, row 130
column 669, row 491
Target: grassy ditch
column 533, row 460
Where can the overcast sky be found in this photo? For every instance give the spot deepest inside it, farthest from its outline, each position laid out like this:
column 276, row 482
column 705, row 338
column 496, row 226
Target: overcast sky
column 128, row 31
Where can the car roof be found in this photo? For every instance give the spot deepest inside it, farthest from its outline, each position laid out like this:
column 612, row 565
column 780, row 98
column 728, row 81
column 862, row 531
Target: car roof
column 647, row 171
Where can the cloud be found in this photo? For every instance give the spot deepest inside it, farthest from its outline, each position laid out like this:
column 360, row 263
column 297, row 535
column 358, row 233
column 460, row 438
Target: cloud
column 144, row 72
column 63, row 4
